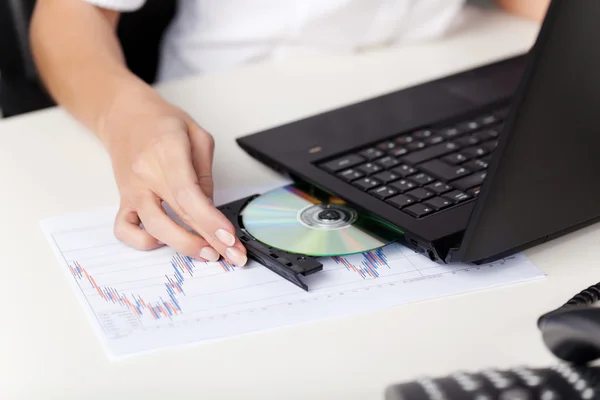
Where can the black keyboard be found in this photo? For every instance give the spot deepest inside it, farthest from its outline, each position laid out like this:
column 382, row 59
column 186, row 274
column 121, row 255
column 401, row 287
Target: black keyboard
column 424, row 171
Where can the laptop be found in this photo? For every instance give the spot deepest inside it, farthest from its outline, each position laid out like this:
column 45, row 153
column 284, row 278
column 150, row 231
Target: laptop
column 474, row 166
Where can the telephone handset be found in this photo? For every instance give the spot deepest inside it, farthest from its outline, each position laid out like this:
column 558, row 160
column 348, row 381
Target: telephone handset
column 571, row 333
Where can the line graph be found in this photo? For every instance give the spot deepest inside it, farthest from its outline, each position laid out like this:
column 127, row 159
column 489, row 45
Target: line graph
column 141, row 301
column 227, row 266
column 159, row 308
column 369, row 266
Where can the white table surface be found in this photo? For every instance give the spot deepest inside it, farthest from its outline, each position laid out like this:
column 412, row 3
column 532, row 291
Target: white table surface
column 50, row 165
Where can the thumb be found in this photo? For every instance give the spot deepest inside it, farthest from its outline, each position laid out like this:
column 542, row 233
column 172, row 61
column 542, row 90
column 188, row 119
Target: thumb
column 203, row 147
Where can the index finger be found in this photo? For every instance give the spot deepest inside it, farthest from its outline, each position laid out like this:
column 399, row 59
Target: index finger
column 195, row 209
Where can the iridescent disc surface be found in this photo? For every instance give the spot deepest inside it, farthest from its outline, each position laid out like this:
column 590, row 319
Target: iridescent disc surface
column 292, row 220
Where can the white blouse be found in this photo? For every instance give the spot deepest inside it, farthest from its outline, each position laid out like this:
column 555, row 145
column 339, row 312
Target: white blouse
column 212, row 35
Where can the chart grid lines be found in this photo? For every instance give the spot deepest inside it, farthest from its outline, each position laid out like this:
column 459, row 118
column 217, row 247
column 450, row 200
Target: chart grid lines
column 377, row 258
column 389, row 283
column 80, row 288
column 144, row 301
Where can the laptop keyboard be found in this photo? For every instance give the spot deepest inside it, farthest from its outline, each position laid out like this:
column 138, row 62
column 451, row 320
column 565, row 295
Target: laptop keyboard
column 425, row 171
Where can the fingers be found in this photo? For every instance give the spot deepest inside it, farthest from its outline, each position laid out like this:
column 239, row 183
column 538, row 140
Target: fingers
column 178, row 170
column 194, row 208
column 196, row 211
column 127, row 230
column 212, row 225
column 158, row 224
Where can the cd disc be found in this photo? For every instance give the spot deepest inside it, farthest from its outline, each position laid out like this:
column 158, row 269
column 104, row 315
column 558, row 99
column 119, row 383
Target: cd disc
column 294, row 221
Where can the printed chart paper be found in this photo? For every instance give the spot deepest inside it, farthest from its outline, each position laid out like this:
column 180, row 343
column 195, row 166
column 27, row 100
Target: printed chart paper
column 145, row 301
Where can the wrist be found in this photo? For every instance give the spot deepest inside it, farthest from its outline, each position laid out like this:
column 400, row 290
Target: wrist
column 127, row 102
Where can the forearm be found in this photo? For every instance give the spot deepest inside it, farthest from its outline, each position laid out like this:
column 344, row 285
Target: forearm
column 532, row 9
column 80, row 60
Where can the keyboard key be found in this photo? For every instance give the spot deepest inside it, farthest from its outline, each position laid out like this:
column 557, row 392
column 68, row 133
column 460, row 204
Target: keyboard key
column 467, row 141
column 400, row 201
column 387, row 176
column 435, row 151
column 475, row 165
column 468, row 126
column 487, row 120
column 418, row 210
column 487, row 134
column 387, row 162
column 372, row 154
column 475, row 191
column 470, row 181
column 420, row 194
column 386, row 146
column 435, row 139
column 369, row 168
column 402, row 186
column 404, row 170
column 422, row 134
column 415, row 146
column 439, row 187
column 404, row 140
column 456, row 196
column 366, row 183
column 343, row 163
column 383, row 192
column 438, row 203
column 474, row 152
column 449, row 133
column 350, row 175
column 398, row 152
column 490, row 146
column 444, row 171
column 421, row 179
column 455, row 158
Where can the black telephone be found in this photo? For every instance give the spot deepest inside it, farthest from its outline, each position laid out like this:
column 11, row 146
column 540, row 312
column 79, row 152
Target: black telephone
column 571, row 332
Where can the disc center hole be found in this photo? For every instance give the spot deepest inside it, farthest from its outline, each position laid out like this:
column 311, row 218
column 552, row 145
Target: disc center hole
column 329, row 215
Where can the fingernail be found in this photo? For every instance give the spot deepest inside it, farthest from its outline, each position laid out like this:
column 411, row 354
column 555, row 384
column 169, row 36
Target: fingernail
column 236, row 256
column 210, row 254
column 225, row 237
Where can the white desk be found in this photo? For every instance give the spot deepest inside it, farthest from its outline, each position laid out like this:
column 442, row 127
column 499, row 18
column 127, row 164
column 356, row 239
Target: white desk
column 50, row 165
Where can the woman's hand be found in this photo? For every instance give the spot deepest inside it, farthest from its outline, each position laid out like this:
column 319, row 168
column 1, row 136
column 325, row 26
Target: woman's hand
column 160, row 154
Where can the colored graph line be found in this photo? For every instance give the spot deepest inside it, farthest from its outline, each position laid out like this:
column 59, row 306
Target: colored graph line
column 369, row 266
column 226, row 265
column 182, row 266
